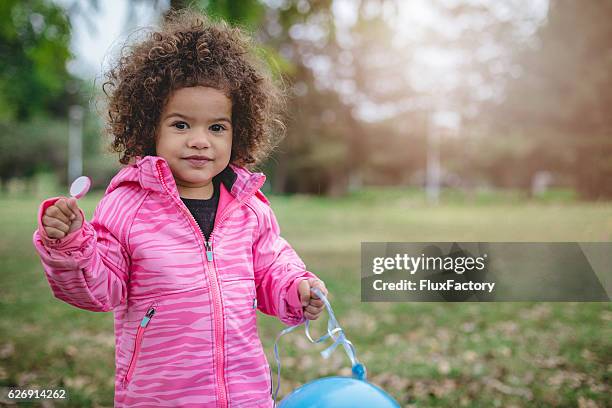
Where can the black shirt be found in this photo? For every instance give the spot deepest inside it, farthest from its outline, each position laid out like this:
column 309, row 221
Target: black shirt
column 204, row 211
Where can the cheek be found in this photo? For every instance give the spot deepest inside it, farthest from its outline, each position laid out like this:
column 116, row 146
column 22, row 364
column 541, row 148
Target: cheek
column 159, row 140
column 165, row 142
column 226, row 144
column 160, row 148
column 164, row 148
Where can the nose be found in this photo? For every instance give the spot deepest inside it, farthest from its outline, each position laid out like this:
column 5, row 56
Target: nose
column 199, row 140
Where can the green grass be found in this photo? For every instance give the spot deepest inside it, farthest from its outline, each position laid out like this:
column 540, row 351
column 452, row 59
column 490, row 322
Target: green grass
column 424, row 354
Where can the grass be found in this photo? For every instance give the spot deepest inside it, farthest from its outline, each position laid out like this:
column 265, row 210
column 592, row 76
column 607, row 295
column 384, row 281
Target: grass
column 424, row 354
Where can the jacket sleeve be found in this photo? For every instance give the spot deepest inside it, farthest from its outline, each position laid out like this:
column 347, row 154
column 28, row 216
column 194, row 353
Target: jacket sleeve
column 278, row 271
column 89, row 267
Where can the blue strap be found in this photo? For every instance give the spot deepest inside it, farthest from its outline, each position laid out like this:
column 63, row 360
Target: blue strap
column 334, row 331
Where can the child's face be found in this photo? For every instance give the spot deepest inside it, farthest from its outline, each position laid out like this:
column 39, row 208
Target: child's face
column 196, row 121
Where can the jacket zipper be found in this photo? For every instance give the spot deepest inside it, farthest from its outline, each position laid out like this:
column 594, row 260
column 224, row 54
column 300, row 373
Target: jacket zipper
column 137, row 343
column 212, row 276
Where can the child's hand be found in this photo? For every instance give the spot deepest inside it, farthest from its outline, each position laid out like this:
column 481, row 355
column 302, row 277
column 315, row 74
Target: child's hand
column 311, row 302
column 62, row 218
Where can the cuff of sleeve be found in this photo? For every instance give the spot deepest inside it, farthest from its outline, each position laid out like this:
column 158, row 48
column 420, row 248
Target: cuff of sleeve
column 74, row 240
column 291, row 311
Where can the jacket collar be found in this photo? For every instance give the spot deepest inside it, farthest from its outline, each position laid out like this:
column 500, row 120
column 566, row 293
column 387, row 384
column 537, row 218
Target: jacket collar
column 153, row 172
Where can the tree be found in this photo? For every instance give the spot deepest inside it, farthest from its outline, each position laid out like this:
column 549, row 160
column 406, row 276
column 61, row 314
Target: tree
column 34, row 50
column 35, row 87
column 563, row 95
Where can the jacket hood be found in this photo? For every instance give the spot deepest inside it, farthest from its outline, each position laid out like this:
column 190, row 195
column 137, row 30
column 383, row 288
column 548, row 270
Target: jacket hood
column 152, row 172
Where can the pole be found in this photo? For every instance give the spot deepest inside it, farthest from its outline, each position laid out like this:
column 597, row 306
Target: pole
column 433, row 163
column 75, row 143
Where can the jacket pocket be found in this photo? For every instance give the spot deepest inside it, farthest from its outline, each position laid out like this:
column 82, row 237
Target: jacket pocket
column 270, row 378
column 240, row 292
column 138, row 343
column 253, row 296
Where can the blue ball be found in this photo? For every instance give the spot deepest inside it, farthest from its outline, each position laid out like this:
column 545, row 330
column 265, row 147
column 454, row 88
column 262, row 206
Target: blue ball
column 338, row 392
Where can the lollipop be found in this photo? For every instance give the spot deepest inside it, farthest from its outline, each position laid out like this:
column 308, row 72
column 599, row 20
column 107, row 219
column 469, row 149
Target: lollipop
column 80, row 187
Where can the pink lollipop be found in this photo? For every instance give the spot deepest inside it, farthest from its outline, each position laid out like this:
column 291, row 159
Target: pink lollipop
column 80, row 187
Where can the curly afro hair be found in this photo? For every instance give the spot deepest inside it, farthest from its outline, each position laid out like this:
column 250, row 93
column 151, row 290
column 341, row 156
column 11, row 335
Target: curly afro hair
column 191, row 50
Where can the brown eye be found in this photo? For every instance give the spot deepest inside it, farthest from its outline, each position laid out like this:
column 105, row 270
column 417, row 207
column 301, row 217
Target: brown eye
column 181, row 125
column 217, row 128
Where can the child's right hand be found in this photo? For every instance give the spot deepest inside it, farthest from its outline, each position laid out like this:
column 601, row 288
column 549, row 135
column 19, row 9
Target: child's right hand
column 62, row 218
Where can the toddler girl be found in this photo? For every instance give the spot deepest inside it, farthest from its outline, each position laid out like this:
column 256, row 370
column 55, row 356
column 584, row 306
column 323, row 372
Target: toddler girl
column 183, row 247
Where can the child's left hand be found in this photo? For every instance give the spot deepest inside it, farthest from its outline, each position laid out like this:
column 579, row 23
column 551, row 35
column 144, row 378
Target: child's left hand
column 310, row 302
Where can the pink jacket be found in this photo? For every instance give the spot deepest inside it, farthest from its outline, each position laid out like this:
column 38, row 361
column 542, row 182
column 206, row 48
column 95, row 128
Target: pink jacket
column 184, row 308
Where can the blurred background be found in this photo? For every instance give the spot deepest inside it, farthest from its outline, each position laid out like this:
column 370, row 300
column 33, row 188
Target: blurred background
column 468, row 95
column 442, row 120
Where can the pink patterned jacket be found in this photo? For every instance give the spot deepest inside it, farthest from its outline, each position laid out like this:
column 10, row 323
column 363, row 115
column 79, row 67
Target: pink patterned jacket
column 184, row 308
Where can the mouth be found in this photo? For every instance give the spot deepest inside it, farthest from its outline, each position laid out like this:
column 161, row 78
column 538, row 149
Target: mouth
column 198, row 161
